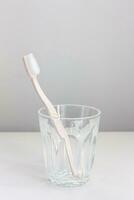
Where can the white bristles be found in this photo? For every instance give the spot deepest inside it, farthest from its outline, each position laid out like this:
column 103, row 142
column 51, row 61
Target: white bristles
column 31, row 64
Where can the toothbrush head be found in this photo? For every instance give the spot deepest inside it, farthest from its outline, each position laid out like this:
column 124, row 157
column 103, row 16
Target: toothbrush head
column 31, row 65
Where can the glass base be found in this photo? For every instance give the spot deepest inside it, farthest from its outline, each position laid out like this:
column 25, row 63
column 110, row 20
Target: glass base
column 65, row 179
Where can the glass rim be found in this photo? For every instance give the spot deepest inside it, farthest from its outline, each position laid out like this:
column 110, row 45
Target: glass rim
column 71, row 118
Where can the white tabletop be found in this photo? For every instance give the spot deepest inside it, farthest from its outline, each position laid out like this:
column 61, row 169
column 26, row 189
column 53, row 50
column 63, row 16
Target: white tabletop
column 22, row 169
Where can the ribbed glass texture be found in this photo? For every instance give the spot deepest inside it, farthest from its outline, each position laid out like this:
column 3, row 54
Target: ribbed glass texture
column 81, row 124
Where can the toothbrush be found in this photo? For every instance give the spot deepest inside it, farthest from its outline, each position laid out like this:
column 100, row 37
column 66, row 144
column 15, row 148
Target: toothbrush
column 33, row 71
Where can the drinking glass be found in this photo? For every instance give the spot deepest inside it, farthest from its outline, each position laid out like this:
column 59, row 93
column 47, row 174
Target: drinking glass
column 81, row 124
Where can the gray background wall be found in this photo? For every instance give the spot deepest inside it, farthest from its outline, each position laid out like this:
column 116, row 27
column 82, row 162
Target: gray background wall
column 86, row 53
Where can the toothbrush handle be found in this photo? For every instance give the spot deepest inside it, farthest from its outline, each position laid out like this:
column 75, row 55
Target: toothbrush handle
column 62, row 132
column 58, row 124
column 44, row 98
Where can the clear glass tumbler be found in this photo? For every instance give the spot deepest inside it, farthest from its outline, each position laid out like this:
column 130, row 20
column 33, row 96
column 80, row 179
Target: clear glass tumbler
column 81, row 124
